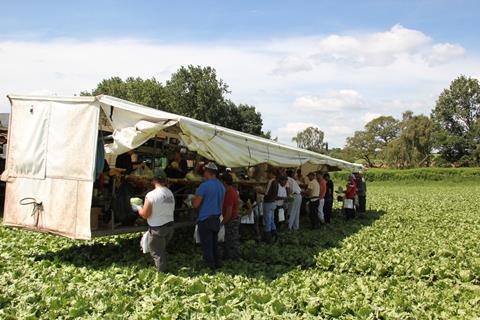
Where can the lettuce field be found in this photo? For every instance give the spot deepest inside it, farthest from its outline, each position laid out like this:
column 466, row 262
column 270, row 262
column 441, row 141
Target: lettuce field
column 415, row 255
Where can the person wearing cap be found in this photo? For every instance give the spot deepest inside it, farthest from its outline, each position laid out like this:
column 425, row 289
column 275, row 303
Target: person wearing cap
column 158, row 210
column 209, row 200
column 295, row 205
column 313, row 193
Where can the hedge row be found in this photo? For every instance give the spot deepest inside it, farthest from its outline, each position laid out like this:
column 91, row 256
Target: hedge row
column 424, row 174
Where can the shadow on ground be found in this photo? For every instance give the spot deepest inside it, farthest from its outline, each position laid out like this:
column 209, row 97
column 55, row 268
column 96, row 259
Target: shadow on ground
column 292, row 250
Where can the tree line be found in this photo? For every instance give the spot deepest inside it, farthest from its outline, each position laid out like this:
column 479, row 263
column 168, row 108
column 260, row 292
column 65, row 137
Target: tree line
column 192, row 91
column 450, row 136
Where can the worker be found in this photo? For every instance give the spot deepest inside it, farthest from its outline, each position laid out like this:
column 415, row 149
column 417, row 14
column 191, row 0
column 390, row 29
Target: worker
column 125, row 162
column 327, row 208
column 349, row 201
column 361, row 191
column 178, row 167
column 158, row 210
column 231, row 219
column 123, row 211
column 282, row 196
column 313, row 193
column 294, row 206
column 321, row 202
column 209, row 200
column 269, row 206
column 300, row 178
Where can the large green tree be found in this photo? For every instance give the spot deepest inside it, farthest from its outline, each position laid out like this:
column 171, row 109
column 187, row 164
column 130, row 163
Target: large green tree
column 413, row 146
column 149, row 92
column 382, row 130
column 311, row 139
column 456, row 117
column 197, row 92
column 362, row 146
column 192, row 91
column 371, row 143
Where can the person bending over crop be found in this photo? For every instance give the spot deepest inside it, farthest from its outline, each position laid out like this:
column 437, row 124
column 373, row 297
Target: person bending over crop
column 231, row 220
column 209, row 200
column 158, row 210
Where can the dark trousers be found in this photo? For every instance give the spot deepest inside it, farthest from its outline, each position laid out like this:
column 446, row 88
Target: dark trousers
column 362, row 203
column 349, row 213
column 231, row 246
column 159, row 237
column 208, row 231
column 327, row 209
column 313, row 214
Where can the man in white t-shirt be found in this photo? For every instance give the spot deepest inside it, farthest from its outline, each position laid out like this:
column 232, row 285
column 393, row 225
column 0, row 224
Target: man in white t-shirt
column 313, row 194
column 158, row 210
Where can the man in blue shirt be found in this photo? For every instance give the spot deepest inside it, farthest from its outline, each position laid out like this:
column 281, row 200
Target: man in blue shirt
column 209, row 200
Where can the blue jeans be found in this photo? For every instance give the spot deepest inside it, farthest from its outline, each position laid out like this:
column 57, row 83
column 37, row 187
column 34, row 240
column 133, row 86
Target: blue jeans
column 269, row 216
column 208, row 231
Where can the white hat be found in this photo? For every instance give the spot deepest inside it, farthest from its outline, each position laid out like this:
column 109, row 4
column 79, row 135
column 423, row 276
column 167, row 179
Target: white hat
column 228, row 169
column 211, row 166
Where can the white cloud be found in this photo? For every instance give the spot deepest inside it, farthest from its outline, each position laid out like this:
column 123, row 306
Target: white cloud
column 376, row 49
column 291, row 64
column 290, row 130
column 294, row 82
column 332, row 101
column 369, row 116
column 444, row 52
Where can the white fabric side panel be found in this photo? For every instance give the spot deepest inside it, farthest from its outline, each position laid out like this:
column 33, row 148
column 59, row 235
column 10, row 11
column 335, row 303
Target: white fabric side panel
column 28, row 138
column 72, row 140
column 66, row 206
column 131, row 129
column 84, row 209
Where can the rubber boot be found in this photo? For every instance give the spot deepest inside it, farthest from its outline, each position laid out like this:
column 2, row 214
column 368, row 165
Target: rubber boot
column 267, row 237
column 274, row 235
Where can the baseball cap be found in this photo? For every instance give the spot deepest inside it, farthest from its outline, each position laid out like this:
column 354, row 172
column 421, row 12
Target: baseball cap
column 211, row 166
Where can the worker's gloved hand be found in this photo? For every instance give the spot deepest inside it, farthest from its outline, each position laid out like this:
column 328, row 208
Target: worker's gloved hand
column 136, row 207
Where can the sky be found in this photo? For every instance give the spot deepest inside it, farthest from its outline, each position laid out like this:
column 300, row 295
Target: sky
column 331, row 64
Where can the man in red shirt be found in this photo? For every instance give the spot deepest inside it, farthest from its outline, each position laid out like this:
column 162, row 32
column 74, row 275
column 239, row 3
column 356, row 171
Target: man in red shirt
column 231, row 219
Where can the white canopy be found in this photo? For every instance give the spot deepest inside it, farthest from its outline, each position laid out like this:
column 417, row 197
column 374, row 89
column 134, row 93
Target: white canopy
column 53, row 154
column 134, row 124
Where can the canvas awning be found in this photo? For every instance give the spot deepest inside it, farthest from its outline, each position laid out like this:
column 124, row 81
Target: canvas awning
column 134, row 124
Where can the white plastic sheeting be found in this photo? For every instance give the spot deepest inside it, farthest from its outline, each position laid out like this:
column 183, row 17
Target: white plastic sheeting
column 51, row 157
column 224, row 146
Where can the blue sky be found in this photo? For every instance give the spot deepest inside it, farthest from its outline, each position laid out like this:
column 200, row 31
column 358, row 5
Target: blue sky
column 333, row 64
